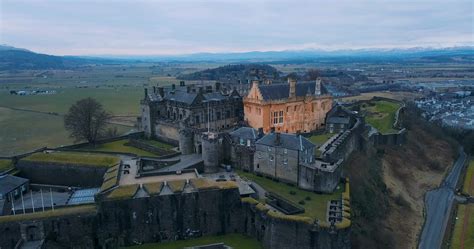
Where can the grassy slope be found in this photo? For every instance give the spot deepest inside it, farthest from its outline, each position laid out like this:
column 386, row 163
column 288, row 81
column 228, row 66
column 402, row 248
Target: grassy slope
column 236, row 241
column 469, row 234
column 87, row 159
column 468, row 178
column 314, row 208
column 382, row 115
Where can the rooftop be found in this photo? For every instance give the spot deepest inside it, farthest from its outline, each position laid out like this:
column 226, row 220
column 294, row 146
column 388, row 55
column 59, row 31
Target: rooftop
column 8, row 183
column 284, row 140
column 282, row 91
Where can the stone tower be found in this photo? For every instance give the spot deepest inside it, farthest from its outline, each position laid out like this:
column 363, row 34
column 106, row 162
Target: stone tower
column 210, row 152
column 186, row 141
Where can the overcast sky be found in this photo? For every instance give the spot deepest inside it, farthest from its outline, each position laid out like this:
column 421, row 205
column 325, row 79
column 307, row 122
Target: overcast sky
column 112, row 27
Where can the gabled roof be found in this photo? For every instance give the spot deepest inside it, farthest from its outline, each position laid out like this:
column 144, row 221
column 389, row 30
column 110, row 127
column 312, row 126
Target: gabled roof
column 288, row 141
column 282, row 91
column 180, row 94
column 8, row 183
column 245, row 133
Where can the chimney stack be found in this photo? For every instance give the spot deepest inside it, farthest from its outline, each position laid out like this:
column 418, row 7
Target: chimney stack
column 161, row 91
column 277, row 138
column 292, row 83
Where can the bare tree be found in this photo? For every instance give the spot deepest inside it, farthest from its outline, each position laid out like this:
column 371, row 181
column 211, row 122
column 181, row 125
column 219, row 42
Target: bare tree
column 313, row 74
column 86, row 120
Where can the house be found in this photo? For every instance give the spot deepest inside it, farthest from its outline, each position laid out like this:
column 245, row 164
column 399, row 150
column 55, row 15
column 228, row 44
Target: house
column 12, row 186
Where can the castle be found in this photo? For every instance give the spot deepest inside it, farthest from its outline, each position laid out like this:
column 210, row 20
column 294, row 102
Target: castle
column 289, row 108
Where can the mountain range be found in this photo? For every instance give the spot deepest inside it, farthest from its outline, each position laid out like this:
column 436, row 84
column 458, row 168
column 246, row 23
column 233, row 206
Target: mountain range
column 12, row 58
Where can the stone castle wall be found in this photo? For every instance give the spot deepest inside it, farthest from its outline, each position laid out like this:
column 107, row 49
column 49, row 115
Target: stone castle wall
column 60, row 174
column 171, row 217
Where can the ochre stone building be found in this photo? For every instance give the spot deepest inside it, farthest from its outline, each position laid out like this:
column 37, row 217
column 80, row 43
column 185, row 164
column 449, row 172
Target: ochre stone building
column 290, row 108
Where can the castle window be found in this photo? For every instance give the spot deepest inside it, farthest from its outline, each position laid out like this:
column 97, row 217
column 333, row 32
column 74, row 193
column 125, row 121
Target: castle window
column 285, row 161
column 285, row 151
column 242, row 141
column 197, row 119
column 218, row 115
column 269, row 148
column 271, row 158
column 227, row 114
column 281, row 117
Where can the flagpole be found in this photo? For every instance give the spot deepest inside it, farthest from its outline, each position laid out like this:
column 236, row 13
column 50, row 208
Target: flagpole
column 32, row 202
column 51, row 194
column 22, row 202
column 42, row 201
column 13, row 203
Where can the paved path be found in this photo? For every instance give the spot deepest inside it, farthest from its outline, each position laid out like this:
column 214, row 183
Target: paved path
column 438, row 204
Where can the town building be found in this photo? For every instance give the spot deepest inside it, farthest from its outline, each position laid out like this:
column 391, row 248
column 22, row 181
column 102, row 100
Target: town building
column 339, row 119
column 289, row 108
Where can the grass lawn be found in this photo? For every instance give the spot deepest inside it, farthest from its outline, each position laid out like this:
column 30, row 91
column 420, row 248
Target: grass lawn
column 314, row 208
column 382, row 115
column 458, row 228
column 58, row 212
column 87, row 159
column 157, row 144
column 468, row 186
column 119, row 146
column 236, row 241
column 5, row 164
column 321, row 139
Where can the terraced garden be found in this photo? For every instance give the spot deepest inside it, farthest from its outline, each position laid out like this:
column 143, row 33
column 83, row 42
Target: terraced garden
column 315, row 205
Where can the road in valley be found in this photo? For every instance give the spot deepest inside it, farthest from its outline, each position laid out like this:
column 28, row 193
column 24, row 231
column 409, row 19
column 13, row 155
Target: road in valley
column 438, row 203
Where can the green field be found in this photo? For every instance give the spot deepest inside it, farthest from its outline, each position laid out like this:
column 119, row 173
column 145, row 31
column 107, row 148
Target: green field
column 468, row 240
column 381, row 115
column 21, row 131
column 88, row 159
column 236, row 241
column 468, row 185
column 119, row 146
column 315, row 207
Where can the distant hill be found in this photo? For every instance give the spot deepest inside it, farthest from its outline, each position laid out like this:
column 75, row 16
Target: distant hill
column 234, row 72
column 12, row 58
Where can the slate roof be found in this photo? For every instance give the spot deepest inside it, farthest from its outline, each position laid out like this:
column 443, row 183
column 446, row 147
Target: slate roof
column 288, row 141
column 245, row 133
column 338, row 120
column 282, row 91
column 9, row 183
column 181, row 95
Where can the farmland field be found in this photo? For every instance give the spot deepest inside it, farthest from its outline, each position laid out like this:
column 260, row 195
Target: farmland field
column 463, row 235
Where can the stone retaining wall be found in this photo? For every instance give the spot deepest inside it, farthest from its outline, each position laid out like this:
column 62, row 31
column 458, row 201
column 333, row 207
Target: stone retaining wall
column 61, row 174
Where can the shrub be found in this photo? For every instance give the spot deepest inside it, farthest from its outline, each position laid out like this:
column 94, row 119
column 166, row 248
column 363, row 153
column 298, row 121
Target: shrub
column 308, row 198
column 292, row 192
column 302, row 202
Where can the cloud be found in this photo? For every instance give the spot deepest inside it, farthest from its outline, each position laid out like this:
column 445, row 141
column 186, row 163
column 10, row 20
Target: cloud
column 186, row 26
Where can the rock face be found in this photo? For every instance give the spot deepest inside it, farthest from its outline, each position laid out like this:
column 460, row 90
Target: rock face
column 171, row 217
